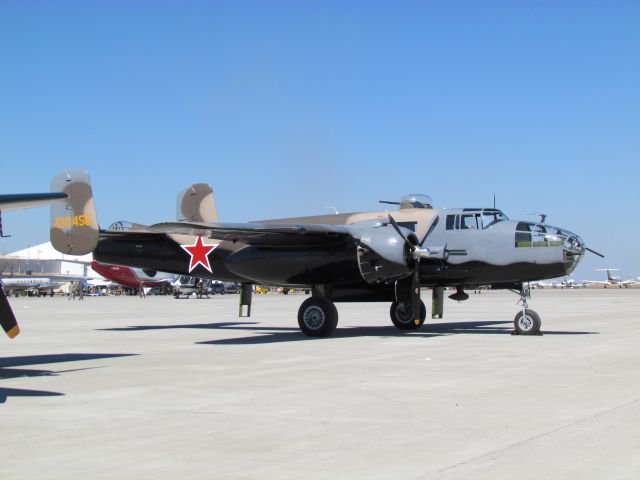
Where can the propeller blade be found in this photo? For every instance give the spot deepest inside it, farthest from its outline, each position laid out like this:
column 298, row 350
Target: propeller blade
column 397, row 228
column 594, row 252
column 7, row 318
column 415, row 275
column 415, row 295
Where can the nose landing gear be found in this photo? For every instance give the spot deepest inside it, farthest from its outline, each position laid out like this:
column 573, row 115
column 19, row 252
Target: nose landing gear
column 402, row 315
column 527, row 321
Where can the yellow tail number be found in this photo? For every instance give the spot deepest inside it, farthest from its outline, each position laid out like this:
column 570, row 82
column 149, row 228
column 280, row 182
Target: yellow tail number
column 69, row 221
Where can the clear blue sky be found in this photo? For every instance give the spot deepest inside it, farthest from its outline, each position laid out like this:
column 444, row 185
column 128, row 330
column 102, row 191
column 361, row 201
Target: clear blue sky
column 289, row 107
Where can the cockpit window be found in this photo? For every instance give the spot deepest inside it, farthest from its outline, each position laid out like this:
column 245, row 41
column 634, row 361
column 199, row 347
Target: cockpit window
column 451, row 219
column 478, row 220
column 491, row 217
column 469, row 222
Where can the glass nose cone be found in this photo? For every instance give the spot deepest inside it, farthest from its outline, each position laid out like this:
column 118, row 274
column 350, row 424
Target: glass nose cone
column 573, row 250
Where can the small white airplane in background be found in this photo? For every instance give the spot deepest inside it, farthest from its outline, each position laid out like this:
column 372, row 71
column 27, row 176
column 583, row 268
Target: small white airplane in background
column 611, row 280
column 40, row 285
column 566, row 283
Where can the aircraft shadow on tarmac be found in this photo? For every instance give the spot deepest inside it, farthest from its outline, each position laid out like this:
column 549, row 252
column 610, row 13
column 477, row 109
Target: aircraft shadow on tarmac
column 284, row 334
column 7, row 371
column 279, row 334
column 489, row 327
column 135, row 328
column 276, row 334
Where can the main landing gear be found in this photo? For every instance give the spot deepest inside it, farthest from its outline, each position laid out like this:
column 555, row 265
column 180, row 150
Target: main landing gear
column 318, row 317
column 527, row 321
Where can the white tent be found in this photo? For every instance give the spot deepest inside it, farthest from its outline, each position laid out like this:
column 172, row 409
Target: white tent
column 43, row 258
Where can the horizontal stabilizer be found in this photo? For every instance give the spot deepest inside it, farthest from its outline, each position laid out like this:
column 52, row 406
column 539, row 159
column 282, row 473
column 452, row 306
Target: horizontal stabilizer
column 28, row 200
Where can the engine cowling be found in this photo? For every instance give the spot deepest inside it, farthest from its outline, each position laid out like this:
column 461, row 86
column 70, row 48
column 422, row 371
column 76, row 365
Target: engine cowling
column 383, row 255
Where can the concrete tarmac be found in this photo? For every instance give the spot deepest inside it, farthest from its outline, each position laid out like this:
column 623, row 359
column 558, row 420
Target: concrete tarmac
column 159, row 388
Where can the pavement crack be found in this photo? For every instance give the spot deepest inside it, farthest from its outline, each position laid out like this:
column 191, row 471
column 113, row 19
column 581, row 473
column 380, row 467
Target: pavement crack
column 544, row 434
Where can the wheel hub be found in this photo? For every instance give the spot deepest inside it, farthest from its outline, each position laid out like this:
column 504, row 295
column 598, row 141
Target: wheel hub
column 403, row 313
column 314, row 317
column 525, row 322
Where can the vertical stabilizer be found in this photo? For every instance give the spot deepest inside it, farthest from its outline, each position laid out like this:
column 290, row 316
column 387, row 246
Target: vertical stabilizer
column 74, row 225
column 197, row 204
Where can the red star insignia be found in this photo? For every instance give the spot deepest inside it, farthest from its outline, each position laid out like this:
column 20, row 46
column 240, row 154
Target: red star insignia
column 199, row 253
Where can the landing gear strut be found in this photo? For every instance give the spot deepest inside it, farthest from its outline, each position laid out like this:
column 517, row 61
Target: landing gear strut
column 527, row 321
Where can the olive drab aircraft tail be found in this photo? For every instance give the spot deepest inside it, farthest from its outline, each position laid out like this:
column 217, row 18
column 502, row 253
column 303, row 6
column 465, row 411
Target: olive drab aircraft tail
column 197, row 204
column 74, row 224
column 376, row 256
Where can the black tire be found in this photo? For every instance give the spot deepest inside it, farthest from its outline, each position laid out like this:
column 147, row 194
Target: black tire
column 529, row 324
column 402, row 316
column 317, row 317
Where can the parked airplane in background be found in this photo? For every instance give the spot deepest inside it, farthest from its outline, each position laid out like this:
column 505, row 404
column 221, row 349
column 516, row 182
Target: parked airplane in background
column 40, row 285
column 14, row 202
column 349, row 257
column 133, row 277
column 611, row 280
column 566, row 283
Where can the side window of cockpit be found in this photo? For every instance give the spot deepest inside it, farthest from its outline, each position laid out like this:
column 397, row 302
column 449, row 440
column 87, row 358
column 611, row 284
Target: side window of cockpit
column 451, row 219
column 469, row 222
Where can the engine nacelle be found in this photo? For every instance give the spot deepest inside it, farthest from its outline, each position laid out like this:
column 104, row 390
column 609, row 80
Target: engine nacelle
column 383, row 255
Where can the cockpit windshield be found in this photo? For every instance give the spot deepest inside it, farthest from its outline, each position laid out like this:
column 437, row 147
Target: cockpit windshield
column 490, row 217
column 475, row 219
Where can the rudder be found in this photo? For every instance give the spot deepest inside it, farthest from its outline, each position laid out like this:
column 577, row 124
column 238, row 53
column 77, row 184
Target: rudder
column 197, row 204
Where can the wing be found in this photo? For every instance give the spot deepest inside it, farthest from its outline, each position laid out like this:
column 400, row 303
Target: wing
column 28, row 200
column 261, row 234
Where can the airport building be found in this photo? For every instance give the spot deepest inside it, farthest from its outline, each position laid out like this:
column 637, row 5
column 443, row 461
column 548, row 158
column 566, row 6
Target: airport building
column 44, row 259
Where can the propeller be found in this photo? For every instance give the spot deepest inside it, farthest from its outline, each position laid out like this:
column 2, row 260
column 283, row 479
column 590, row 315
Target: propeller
column 415, row 274
column 7, row 318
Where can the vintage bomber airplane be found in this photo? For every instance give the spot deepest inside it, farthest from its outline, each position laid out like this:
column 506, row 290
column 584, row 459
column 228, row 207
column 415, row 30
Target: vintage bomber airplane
column 352, row 257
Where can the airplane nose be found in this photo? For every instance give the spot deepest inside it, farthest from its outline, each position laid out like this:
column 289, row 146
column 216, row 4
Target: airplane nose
column 573, row 249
